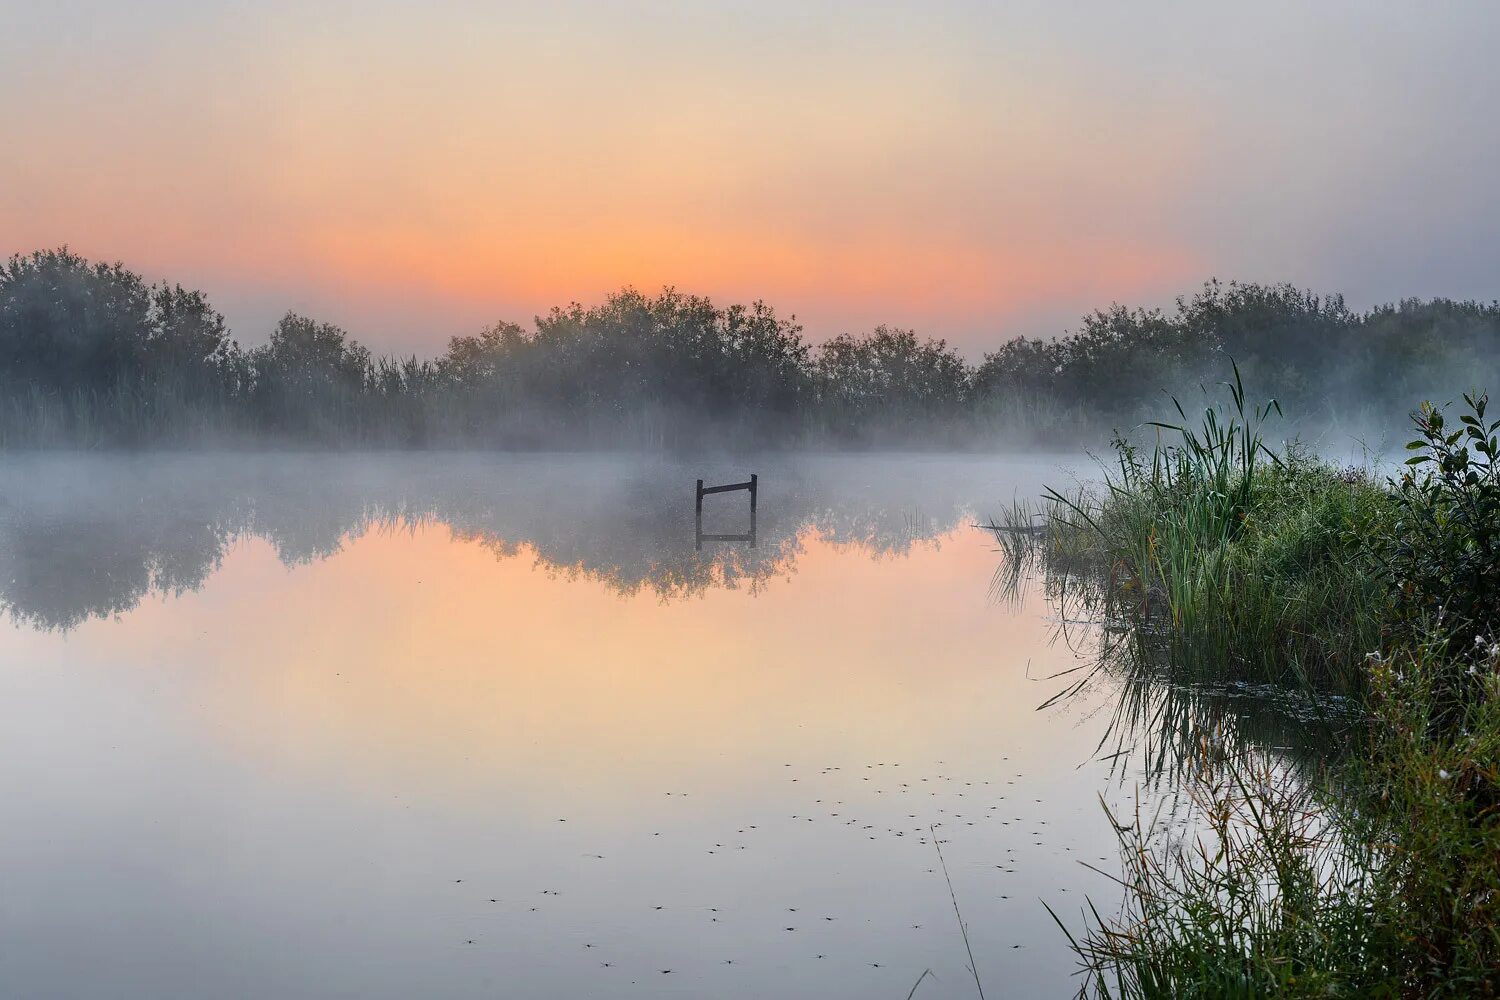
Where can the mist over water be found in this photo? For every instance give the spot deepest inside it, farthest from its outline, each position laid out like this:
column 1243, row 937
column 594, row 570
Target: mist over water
column 461, row 725
column 92, row 536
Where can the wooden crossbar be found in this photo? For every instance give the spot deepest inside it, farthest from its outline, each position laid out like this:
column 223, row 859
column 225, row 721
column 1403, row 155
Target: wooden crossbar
column 706, row 490
column 753, row 485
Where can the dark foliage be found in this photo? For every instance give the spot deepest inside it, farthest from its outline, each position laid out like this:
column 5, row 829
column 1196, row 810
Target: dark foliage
column 1442, row 556
column 92, row 355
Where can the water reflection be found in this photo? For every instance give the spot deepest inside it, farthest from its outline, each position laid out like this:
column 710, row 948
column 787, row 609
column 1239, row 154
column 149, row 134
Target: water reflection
column 91, row 538
column 1158, row 724
column 307, row 735
column 699, row 536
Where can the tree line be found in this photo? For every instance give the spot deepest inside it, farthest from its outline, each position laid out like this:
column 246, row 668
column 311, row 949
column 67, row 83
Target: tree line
column 93, row 355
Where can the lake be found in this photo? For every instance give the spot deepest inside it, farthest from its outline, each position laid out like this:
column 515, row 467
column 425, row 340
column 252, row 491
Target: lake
column 476, row 726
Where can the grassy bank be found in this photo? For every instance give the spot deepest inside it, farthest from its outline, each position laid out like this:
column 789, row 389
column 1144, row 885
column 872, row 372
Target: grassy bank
column 1214, row 558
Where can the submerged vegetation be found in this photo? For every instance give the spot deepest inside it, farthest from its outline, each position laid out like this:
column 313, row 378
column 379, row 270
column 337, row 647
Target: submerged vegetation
column 1215, row 559
column 92, row 355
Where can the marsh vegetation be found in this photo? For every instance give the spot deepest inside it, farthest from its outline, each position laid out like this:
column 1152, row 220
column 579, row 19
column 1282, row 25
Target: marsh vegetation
column 1210, row 560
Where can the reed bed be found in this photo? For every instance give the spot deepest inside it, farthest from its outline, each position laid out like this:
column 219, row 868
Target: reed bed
column 1354, row 851
column 1226, row 560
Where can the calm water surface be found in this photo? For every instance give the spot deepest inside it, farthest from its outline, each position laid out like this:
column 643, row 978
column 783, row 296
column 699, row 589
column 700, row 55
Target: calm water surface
column 459, row 726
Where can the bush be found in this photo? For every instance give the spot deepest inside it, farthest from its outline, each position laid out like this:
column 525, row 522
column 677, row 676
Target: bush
column 1442, row 556
column 1432, row 781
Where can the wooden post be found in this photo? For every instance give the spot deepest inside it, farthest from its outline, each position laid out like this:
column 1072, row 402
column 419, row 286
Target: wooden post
column 752, row 486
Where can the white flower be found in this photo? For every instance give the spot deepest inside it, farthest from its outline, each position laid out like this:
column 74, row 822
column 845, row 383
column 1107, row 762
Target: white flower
column 1444, row 774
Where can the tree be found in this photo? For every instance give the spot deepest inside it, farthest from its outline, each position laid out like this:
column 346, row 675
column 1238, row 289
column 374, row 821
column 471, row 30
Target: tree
column 310, row 376
column 66, row 324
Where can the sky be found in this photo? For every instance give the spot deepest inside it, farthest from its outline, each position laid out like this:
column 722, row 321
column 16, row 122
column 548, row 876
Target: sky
column 975, row 171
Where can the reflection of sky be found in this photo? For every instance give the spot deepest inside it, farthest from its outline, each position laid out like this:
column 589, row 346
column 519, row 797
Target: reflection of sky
column 84, row 538
column 272, row 785
column 415, row 170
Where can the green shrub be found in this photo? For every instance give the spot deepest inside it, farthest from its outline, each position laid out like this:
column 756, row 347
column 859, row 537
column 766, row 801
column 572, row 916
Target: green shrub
column 1435, row 789
column 1441, row 558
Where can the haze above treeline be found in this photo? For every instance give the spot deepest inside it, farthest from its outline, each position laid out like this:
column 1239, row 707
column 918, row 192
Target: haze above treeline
column 92, row 355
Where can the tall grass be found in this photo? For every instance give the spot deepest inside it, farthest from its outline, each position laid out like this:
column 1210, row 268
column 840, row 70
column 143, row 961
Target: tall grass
column 1216, row 562
column 1378, row 877
column 1224, row 558
column 1267, row 898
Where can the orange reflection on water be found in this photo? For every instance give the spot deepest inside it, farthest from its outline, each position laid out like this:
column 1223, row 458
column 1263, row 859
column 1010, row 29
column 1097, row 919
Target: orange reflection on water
column 410, row 652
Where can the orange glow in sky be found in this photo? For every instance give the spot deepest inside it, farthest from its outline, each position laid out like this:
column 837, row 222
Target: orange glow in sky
column 413, row 172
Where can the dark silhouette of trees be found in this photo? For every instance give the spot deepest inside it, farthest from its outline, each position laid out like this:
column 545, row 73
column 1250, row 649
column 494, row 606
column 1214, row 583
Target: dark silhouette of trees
column 311, row 376
column 889, row 379
column 66, row 324
column 663, row 361
column 92, row 355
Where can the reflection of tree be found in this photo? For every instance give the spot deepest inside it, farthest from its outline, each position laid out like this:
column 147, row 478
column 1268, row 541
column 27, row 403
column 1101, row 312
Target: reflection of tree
column 92, row 537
